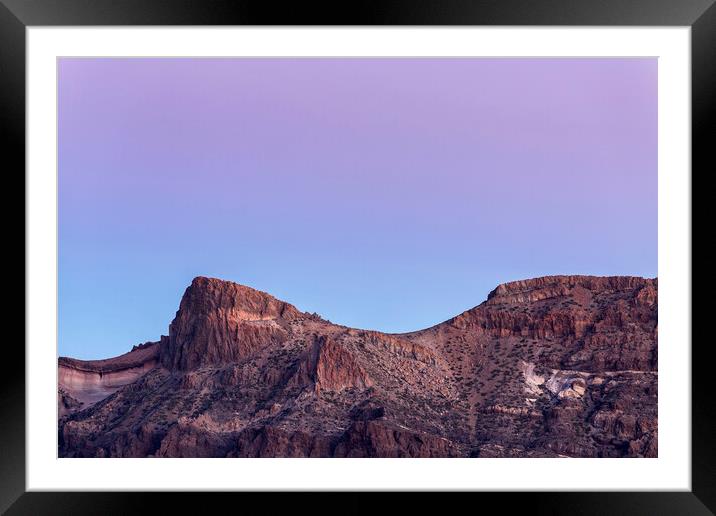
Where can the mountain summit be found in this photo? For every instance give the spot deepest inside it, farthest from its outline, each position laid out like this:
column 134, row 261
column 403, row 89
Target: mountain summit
column 220, row 322
column 546, row 367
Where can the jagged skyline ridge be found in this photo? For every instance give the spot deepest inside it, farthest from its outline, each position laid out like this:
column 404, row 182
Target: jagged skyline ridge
column 554, row 366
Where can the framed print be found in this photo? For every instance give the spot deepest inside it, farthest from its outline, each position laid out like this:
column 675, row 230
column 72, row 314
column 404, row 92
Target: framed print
column 434, row 247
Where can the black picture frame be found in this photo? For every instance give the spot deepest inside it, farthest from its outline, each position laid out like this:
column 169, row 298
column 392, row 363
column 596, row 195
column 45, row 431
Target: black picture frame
column 16, row 15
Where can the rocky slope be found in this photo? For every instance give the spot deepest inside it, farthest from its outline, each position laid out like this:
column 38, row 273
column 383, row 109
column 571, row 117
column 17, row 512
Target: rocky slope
column 82, row 383
column 553, row 366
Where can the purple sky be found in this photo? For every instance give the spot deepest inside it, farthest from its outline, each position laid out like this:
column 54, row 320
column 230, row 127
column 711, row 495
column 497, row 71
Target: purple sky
column 388, row 194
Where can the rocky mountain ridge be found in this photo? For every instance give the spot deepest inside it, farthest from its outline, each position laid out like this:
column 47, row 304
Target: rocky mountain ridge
column 552, row 366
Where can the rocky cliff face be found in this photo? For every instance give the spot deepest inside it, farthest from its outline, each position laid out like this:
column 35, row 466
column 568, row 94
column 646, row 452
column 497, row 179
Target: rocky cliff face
column 82, row 383
column 220, row 322
column 554, row 366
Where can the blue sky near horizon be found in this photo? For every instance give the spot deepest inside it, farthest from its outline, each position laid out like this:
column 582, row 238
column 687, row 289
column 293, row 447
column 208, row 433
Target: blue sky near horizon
column 388, row 194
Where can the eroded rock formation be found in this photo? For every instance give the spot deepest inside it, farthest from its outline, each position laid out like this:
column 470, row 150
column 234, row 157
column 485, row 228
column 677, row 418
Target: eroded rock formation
column 553, row 366
column 82, row 383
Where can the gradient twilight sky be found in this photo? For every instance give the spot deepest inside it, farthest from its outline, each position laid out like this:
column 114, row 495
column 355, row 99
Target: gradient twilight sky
column 388, row 194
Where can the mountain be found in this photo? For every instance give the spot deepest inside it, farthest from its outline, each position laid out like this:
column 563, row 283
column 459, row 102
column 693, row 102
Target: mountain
column 559, row 366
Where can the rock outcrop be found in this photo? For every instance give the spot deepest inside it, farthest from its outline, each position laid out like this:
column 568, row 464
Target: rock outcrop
column 548, row 367
column 220, row 322
column 82, row 383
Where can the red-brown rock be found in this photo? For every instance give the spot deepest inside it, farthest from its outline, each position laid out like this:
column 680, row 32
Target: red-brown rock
column 548, row 367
